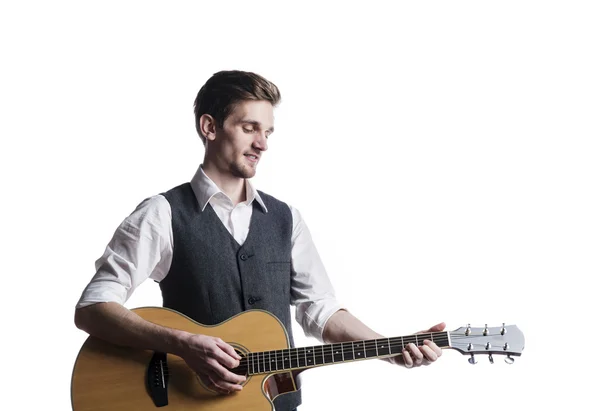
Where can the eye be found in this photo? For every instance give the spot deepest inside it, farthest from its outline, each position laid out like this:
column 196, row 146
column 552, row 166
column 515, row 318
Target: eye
column 248, row 130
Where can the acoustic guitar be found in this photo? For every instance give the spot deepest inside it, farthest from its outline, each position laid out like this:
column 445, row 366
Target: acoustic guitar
column 108, row 377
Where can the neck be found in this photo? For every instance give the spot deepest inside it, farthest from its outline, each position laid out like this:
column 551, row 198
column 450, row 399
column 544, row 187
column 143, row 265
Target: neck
column 307, row 357
column 233, row 187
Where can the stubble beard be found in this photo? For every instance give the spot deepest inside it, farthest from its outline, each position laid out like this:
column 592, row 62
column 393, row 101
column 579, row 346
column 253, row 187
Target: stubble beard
column 242, row 170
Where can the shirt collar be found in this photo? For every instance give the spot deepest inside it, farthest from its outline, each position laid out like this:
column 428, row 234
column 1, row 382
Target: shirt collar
column 205, row 190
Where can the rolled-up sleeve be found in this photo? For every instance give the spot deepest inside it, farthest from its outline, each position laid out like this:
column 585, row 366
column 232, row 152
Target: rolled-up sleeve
column 311, row 290
column 140, row 248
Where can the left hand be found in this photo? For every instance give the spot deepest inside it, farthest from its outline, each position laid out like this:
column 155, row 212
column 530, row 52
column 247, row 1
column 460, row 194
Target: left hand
column 413, row 356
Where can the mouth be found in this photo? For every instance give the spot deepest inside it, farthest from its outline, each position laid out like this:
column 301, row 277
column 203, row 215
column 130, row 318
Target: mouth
column 252, row 157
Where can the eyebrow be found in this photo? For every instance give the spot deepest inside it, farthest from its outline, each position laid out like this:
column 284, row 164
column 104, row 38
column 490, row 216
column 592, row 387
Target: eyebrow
column 256, row 123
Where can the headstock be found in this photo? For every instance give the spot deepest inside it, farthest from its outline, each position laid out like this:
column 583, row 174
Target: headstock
column 504, row 340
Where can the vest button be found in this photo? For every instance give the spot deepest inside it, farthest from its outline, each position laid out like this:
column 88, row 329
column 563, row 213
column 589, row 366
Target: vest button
column 253, row 300
column 243, row 257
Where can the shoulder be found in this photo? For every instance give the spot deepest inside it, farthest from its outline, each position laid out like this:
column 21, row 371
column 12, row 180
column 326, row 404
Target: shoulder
column 154, row 210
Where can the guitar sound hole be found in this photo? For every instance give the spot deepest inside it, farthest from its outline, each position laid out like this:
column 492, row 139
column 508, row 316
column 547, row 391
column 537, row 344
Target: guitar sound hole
column 242, row 369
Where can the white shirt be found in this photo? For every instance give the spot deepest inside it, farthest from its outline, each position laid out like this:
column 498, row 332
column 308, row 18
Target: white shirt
column 142, row 248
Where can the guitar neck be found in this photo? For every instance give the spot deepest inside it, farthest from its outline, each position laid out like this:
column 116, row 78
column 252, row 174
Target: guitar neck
column 307, row 357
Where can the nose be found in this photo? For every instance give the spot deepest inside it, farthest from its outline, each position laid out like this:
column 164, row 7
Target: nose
column 260, row 142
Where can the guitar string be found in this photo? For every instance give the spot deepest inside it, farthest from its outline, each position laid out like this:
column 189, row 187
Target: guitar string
column 394, row 342
column 296, row 354
column 261, row 359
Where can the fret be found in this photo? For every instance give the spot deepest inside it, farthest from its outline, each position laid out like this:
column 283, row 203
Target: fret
column 265, row 361
column 443, row 339
column 337, row 352
column 346, row 352
column 358, row 349
column 371, row 349
column 327, row 354
column 294, row 357
column 319, row 355
column 280, row 361
column 301, row 357
column 310, row 356
column 271, row 362
column 251, row 356
column 398, row 345
column 382, row 346
column 261, row 362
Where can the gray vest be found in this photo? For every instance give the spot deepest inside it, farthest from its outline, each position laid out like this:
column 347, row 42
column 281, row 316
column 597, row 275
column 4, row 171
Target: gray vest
column 213, row 278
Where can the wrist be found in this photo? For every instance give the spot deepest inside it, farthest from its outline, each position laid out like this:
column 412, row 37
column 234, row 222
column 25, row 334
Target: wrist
column 179, row 343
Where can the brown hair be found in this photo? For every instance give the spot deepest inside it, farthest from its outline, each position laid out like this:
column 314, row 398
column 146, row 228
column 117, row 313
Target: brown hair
column 219, row 95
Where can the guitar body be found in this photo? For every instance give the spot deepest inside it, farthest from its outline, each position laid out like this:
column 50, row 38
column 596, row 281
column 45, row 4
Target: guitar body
column 107, row 377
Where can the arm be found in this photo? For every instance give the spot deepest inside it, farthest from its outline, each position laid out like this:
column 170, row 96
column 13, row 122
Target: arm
column 116, row 324
column 140, row 248
column 321, row 315
column 209, row 356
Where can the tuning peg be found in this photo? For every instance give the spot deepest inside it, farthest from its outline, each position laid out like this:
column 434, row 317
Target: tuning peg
column 486, row 331
column 491, row 359
column 509, row 359
column 468, row 332
column 472, row 360
column 503, row 330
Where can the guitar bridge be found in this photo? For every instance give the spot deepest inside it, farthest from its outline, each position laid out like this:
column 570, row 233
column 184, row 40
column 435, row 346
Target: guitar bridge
column 157, row 378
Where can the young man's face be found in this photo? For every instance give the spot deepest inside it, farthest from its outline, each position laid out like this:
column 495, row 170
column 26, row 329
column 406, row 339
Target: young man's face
column 243, row 138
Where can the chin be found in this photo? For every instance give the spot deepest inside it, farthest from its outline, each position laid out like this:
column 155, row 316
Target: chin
column 243, row 171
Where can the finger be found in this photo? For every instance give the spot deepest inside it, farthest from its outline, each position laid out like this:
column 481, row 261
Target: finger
column 416, row 353
column 428, row 353
column 437, row 327
column 408, row 361
column 437, row 350
column 228, row 349
column 224, row 374
column 223, row 357
column 208, row 382
column 223, row 386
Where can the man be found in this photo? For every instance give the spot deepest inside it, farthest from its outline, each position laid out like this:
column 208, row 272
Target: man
column 217, row 247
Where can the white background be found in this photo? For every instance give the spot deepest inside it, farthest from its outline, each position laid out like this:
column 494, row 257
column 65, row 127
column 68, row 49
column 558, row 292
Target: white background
column 444, row 155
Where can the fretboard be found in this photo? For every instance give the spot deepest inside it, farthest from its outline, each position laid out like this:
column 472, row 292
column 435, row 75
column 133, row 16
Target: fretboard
column 307, row 357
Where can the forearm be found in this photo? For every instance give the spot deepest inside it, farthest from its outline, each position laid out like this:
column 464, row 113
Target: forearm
column 343, row 326
column 116, row 324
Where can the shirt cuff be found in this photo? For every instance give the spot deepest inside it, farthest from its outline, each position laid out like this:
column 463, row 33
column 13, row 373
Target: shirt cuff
column 102, row 292
column 313, row 316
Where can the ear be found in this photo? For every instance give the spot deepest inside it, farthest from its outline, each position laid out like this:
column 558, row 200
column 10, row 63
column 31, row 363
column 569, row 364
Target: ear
column 208, row 126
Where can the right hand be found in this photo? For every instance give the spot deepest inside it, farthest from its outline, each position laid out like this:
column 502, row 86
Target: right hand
column 212, row 358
